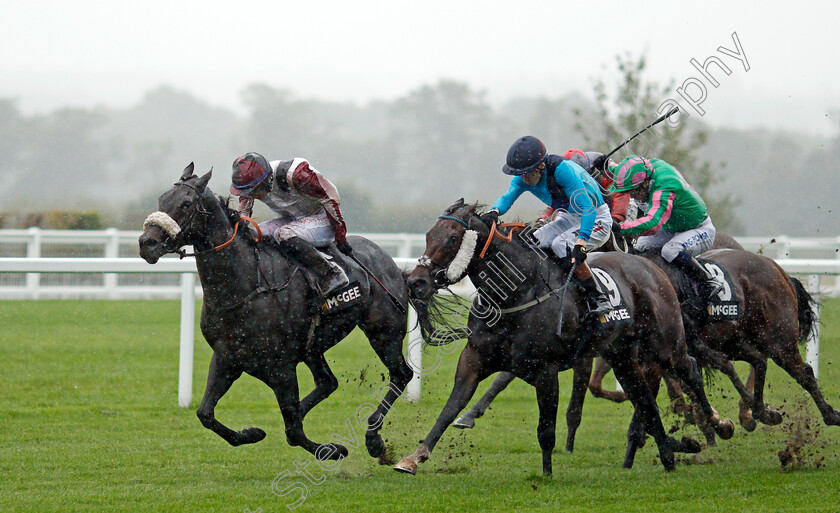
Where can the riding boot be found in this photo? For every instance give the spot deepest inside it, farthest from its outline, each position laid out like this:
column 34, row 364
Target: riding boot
column 596, row 300
column 330, row 276
column 707, row 285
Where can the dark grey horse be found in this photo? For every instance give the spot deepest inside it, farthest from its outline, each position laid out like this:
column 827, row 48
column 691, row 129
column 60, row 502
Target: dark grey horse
column 522, row 338
column 261, row 316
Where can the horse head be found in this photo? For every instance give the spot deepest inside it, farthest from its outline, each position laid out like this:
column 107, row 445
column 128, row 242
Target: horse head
column 450, row 248
column 181, row 218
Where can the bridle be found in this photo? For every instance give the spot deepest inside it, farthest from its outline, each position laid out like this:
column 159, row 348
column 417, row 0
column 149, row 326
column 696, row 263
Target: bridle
column 175, row 244
column 442, row 276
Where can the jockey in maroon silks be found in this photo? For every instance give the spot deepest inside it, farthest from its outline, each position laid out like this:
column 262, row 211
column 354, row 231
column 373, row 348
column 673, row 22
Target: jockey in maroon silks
column 307, row 209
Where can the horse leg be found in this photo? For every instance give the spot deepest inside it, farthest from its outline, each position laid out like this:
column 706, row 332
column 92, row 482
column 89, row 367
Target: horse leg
column 387, row 343
column 754, row 388
column 746, row 404
column 574, row 412
column 632, row 380
column 792, row 363
column 547, row 397
column 470, row 372
column 220, row 377
column 325, row 382
column 685, row 367
column 635, row 437
column 654, row 379
column 675, row 395
column 595, row 383
column 284, row 383
column 467, row 420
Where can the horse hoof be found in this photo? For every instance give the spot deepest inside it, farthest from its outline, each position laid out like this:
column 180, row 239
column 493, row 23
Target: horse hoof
column 331, row 452
column 749, row 424
column 668, row 461
column 406, row 466
column 725, row 429
column 770, row 417
column 464, row 422
column 375, row 445
column 691, row 446
column 251, row 435
column 384, row 459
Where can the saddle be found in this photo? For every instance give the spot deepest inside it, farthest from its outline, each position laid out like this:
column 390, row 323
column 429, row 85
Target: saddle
column 342, row 299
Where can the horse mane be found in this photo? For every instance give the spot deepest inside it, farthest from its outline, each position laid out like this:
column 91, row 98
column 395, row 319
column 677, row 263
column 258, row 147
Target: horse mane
column 234, row 217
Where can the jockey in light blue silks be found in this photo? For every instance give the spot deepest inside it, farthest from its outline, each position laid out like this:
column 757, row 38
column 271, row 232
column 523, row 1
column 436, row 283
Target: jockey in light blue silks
column 583, row 220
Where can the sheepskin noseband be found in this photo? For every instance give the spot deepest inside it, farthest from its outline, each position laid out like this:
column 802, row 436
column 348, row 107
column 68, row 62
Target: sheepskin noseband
column 458, row 267
column 165, row 222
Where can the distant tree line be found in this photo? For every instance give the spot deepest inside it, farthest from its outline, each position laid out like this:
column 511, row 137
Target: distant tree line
column 398, row 163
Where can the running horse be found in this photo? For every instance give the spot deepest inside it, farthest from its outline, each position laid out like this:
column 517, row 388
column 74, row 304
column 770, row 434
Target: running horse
column 587, row 377
column 261, row 316
column 516, row 330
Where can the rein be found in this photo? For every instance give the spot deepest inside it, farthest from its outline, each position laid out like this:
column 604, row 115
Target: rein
column 494, row 232
column 230, row 241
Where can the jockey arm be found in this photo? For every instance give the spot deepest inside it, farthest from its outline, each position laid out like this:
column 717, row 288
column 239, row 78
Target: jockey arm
column 661, row 208
column 619, row 203
column 580, row 201
column 246, row 206
column 312, row 184
column 503, row 204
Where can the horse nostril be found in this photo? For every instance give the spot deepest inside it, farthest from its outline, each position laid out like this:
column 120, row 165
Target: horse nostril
column 417, row 286
column 148, row 242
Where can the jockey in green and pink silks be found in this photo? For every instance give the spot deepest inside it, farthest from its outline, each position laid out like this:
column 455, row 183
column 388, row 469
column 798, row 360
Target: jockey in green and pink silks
column 676, row 222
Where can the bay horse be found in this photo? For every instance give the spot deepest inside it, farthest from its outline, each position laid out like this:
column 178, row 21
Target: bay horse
column 515, row 329
column 260, row 315
column 587, row 377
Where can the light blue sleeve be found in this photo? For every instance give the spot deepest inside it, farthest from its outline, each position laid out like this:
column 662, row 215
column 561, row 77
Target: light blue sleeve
column 569, row 177
column 517, row 187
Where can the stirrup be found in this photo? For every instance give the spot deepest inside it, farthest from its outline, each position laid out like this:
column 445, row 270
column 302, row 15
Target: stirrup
column 712, row 288
column 598, row 304
column 333, row 280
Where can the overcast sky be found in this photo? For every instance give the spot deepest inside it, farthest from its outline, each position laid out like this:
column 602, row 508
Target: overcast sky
column 85, row 53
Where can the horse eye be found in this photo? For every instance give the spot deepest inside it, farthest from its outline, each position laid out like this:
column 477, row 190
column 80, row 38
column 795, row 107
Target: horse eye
column 452, row 239
column 186, row 205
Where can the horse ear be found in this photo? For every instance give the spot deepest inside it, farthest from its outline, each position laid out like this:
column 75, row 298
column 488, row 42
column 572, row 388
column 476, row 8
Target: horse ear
column 455, row 206
column 188, row 171
column 202, row 182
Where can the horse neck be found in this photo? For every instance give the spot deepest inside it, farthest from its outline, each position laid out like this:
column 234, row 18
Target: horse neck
column 225, row 271
column 507, row 273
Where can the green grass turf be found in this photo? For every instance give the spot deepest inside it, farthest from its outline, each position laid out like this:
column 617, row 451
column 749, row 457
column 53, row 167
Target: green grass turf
column 89, row 422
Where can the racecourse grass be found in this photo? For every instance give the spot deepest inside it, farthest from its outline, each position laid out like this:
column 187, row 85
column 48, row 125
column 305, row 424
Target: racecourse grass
column 89, row 422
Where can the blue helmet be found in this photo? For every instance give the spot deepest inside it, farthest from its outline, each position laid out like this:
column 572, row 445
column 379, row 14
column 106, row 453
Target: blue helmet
column 524, row 156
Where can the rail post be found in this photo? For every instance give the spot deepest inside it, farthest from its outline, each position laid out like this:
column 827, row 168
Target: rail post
column 185, row 363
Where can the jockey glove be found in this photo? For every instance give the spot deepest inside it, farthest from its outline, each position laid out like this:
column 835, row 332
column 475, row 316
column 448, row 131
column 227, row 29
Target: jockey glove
column 491, row 217
column 579, row 254
column 616, row 228
column 345, row 248
column 600, row 163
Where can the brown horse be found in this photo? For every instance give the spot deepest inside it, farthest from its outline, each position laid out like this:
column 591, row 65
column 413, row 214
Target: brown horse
column 515, row 329
column 583, row 373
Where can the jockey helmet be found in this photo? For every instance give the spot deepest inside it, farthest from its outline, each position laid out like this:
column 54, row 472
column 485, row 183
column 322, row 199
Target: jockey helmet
column 578, row 157
column 249, row 171
column 524, row 156
column 630, row 173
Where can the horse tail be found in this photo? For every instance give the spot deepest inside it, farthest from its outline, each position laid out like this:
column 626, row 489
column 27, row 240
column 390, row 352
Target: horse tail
column 806, row 313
